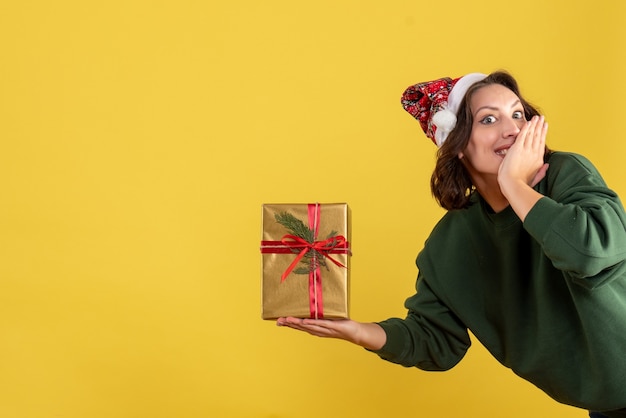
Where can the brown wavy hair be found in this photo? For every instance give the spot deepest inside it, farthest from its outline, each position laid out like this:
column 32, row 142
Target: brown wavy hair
column 451, row 184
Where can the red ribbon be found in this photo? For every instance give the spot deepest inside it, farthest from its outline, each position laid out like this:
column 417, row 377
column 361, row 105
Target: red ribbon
column 332, row 245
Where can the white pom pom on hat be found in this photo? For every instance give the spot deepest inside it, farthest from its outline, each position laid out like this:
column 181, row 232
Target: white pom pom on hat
column 445, row 121
column 435, row 104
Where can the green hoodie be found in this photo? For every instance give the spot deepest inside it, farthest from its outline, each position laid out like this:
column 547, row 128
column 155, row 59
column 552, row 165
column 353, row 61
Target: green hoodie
column 547, row 297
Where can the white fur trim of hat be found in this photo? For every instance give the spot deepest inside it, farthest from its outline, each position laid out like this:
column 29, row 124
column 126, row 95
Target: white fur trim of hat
column 445, row 119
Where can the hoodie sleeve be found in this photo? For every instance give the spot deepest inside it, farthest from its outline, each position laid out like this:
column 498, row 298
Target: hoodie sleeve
column 580, row 223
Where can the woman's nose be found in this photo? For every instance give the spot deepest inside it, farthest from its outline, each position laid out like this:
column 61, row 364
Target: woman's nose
column 512, row 127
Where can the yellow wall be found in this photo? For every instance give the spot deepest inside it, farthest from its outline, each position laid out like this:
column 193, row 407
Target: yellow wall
column 138, row 140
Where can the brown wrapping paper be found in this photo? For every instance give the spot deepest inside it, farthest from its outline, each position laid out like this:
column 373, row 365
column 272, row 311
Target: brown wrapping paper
column 291, row 297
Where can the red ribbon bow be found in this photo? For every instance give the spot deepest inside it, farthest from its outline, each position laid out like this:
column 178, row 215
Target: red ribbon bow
column 322, row 247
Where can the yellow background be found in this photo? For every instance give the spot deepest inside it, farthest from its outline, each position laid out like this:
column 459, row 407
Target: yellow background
column 138, row 140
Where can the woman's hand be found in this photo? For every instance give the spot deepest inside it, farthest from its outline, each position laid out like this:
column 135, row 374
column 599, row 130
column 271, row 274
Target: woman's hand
column 524, row 160
column 368, row 335
column 523, row 167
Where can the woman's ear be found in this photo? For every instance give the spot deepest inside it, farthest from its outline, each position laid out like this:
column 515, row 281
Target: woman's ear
column 461, row 155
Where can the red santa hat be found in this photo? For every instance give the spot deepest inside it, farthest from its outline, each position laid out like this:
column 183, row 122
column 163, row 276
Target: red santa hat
column 435, row 104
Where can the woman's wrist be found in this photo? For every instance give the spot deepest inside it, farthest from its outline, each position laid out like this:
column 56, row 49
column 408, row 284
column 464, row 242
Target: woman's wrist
column 371, row 336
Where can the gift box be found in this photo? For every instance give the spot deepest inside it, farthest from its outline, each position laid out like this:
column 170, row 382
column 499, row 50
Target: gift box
column 305, row 253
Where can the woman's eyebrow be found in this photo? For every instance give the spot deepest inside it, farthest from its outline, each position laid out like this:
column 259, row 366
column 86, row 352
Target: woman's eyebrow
column 515, row 103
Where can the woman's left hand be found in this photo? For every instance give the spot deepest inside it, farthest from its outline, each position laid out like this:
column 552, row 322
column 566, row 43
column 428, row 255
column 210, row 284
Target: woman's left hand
column 524, row 160
column 523, row 167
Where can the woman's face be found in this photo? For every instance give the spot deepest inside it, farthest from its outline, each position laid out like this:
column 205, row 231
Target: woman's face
column 498, row 116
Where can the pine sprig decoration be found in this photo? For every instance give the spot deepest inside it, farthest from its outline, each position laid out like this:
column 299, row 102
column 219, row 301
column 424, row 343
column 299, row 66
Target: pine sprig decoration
column 295, row 226
column 312, row 259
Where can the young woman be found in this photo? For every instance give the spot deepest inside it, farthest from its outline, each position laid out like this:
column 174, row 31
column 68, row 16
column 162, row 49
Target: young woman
column 531, row 255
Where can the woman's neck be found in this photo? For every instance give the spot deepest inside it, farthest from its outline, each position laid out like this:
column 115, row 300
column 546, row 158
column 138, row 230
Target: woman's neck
column 490, row 191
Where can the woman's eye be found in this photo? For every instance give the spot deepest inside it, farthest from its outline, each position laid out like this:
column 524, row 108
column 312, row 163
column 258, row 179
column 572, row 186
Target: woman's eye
column 518, row 115
column 488, row 120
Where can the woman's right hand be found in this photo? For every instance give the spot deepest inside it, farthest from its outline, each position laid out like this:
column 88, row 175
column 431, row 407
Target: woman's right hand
column 367, row 335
